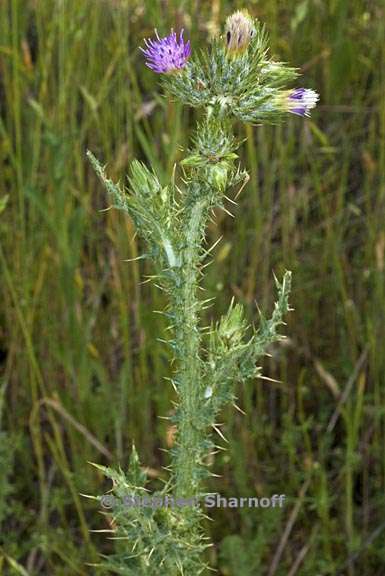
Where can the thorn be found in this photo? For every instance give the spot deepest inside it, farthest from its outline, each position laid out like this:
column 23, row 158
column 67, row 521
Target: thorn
column 173, row 174
column 208, row 300
column 207, row 264
column 88, row 495
column 142, row 257
column 230, row 200
column 220, row 448
column 168, row 342
column 207, row 517
column 174, row 385
column 239, row 409
column 247, row 178
column 227, row 211
column 213, row 246
column 269, row 379
column 219, row 433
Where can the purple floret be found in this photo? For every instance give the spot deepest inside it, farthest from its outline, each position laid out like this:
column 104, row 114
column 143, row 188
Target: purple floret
column 167, row 54
column 298, row 93
column 302, row 100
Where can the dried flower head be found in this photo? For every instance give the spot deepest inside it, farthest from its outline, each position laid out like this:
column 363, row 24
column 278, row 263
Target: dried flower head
column 165, row 55
column 301, row 100
column 239, row 31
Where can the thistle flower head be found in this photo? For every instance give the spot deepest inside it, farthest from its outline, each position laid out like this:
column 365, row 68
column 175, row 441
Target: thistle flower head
column 239, row 31
column 301, row 100
column 168, row 54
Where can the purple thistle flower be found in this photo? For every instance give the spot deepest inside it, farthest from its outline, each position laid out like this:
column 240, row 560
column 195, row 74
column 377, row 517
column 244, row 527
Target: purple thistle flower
column 301, row 100
column 167, row 54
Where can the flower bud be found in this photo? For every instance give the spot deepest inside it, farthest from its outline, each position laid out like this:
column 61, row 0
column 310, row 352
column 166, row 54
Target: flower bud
column 218, row 175
column 298, row 101
column 239, row 31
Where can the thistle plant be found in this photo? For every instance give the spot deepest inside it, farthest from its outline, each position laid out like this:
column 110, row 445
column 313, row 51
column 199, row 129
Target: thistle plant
column 234, row 80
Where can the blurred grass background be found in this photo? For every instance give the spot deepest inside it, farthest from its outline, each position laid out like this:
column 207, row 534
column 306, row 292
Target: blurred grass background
column 81, row 368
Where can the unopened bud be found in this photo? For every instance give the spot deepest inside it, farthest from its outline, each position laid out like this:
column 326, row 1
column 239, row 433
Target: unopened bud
column 239, row 31
column 218, row 175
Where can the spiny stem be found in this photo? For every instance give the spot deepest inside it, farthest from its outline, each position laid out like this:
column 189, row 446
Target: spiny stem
column 188, row 345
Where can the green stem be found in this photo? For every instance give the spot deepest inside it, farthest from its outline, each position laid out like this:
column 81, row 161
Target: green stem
column 186, row 306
